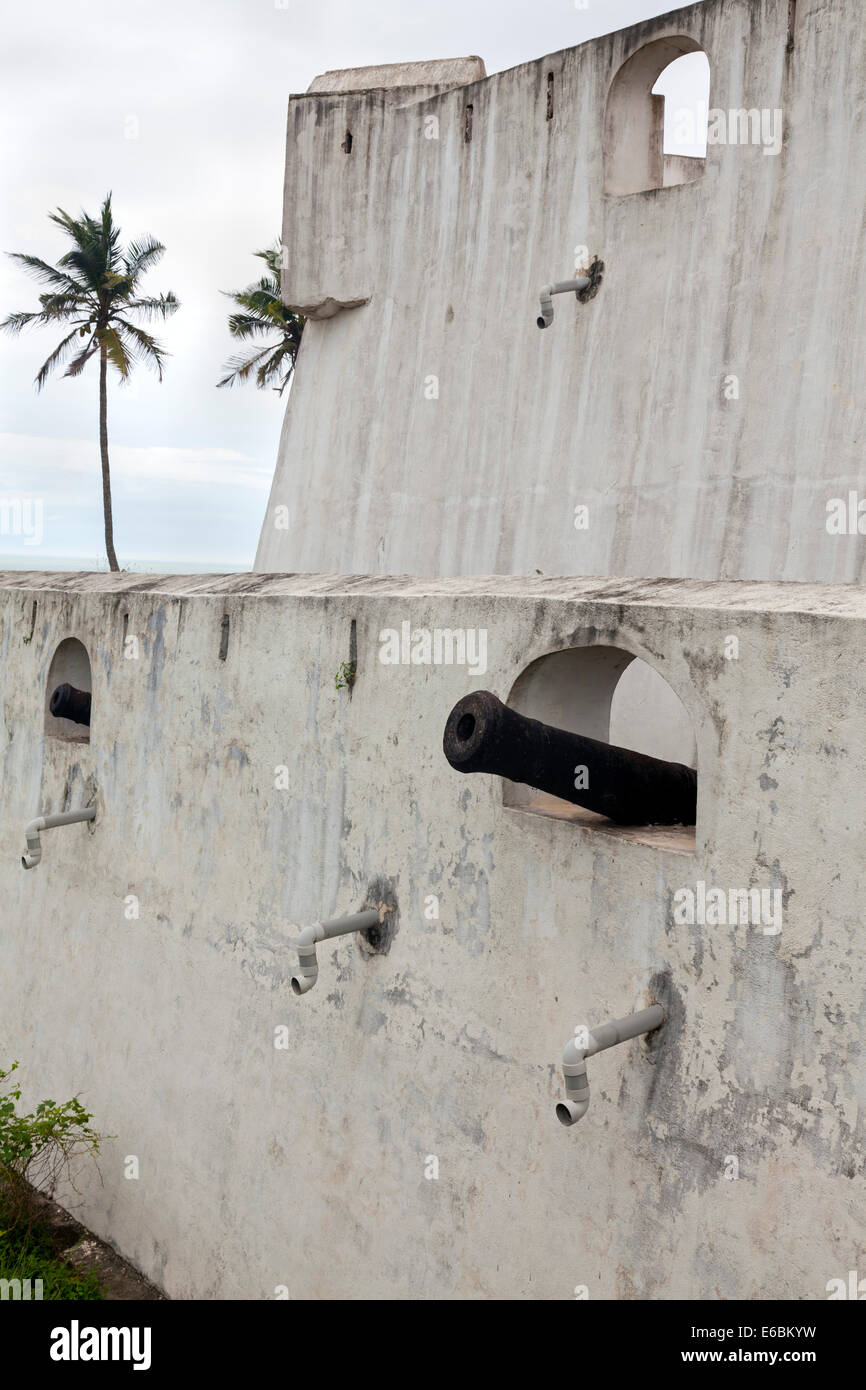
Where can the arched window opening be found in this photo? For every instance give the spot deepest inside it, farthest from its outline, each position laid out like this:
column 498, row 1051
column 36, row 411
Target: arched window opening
column 655, row 128
column 685, row 86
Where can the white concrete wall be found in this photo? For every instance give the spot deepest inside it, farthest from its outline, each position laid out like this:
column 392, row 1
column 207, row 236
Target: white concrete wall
column 756, row 270
column 304, row 1167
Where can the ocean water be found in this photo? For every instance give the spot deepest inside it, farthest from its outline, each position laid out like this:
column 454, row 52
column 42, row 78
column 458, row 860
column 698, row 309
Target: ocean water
column 35, row 560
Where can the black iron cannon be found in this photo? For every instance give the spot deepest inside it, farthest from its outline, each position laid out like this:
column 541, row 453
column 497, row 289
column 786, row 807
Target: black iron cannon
column 68, row 703
column 484, row 735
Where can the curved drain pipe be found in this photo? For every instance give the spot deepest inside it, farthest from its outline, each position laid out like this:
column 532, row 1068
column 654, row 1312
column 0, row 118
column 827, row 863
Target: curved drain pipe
column 585, row 287
column 308, row 966
column 545, row 318
column 576, row 1102
column 33, row 829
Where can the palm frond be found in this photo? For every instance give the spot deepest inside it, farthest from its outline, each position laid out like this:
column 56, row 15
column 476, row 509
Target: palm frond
column 110, row 233
column 41, row 270
column 13, row 323
column 77, row 365
column 239, row 368
column 76, row 230
column 262, row 298
column 64, row 347
column 50, row 314
column 273, row 257
column 248, row 326
column 154, row 306
column 114, row 350
column 142, row 255
column 90, row 265
column 280, row 364
column 63, row 305
column 149, row 350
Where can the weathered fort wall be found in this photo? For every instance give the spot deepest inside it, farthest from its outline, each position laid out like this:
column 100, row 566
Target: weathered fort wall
column 304, row 1165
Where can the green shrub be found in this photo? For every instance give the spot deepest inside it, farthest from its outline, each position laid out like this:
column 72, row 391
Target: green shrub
column 38, row 1150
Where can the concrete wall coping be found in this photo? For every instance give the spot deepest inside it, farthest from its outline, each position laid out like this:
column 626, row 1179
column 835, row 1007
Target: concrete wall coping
column 445, row 72
column 837, row 600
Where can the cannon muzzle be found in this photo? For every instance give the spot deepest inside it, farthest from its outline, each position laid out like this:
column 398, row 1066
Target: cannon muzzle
column 68, row 703
column 484, row 735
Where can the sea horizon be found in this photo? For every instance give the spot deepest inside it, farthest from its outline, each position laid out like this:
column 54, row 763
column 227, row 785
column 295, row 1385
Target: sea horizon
column 94, row 564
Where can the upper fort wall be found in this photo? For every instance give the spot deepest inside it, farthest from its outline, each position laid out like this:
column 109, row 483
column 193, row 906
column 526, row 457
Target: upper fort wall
column 432, row 429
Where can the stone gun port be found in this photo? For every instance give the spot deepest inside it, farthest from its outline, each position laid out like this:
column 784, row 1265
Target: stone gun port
column 484, row 735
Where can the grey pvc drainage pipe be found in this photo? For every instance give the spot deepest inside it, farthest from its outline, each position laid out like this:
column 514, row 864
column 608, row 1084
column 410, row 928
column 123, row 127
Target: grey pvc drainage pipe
column 576, row 1102
column 32, row 831
column 545, row 318
column 308, row 966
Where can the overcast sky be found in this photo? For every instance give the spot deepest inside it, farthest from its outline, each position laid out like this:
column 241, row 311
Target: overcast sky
column 179, row 107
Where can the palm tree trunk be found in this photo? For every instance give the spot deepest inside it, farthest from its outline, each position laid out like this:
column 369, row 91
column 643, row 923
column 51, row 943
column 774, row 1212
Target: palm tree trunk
column 103, row 449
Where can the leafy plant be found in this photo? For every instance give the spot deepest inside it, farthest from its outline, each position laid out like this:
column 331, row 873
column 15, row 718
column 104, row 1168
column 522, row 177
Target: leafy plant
column 345, row 677
column 39, row 1149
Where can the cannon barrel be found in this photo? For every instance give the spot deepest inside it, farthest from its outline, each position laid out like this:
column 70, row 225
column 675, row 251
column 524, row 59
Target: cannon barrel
column 484, row 735
column 68, row 703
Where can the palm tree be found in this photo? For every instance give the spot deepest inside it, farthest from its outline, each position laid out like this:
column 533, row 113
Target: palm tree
column 263, row 315
column 94, row 288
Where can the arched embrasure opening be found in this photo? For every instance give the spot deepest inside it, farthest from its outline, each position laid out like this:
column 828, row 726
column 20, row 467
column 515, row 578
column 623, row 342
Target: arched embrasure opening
column 70, row 666
column 611, row 695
